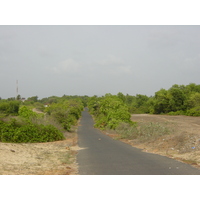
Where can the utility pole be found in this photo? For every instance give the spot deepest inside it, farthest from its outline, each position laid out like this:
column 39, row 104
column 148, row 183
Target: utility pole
column 16, row 89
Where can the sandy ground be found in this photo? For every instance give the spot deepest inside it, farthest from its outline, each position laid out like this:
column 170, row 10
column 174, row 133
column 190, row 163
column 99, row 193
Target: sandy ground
column 52, row 158
column 183, row 144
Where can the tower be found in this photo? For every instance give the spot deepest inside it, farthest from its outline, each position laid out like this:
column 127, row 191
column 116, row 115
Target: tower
column 17, row 89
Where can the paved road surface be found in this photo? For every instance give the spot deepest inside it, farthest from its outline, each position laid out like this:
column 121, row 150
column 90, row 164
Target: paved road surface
column 102, row 155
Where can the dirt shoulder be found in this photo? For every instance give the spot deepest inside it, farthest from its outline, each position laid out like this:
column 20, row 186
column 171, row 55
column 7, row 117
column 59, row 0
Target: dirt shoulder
column 52, row 158
column 183, row 144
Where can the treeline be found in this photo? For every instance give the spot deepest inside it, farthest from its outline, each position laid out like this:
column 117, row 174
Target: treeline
column 39, row 103
column 177, row 100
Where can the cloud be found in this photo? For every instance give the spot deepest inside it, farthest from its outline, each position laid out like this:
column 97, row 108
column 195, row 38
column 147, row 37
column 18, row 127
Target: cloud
column 191, row 62
column 67, row 66
column 6, row 34
column 113, row 65
column 44, row 52
column 163, row 38
column 111, row 60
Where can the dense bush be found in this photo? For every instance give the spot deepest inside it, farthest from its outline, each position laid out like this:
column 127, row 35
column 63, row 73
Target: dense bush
column 180, row 112
column 26, row 113
column 27, row 129
column 109, row 111
column 66, row 112
column 9, row 107
column 13, row 131
column 194, row 111
column 33, row 127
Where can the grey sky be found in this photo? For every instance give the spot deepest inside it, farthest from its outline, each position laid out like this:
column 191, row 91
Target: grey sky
column 95, row 60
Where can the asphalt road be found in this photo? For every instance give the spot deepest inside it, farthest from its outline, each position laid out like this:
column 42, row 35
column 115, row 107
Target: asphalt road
column 102, row 155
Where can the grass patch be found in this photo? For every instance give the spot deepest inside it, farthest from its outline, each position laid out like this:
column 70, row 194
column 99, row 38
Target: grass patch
column 143, row 131
column 66, row 158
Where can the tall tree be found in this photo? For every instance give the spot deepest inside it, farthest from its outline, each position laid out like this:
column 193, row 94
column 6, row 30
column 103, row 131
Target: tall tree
column 161, row 104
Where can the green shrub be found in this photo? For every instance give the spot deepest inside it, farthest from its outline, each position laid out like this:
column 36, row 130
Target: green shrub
column 66, row 112
column 9, row 107
column 7, row 130
column 18, row 132
column 34, row 127
column 13, row 132
column 26, row 113
column 194, row 111
column 109, row 111
column 180, row 112
column 39, row 106
column 26, row 133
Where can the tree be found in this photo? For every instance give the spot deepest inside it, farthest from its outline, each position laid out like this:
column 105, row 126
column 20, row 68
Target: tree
column 161, row 102
column 176, row 99
column 18, row 97
column 141, row 100
column 34, row 98
column 194, row 100
column 191, row 88
column 121, row 96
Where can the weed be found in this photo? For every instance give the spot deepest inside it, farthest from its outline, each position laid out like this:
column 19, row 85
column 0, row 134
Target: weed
column 66, row 159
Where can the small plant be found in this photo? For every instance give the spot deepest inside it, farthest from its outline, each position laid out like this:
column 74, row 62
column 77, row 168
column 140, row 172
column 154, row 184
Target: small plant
column 66, row 158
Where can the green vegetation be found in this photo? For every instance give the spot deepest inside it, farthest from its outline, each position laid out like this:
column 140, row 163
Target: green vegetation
column 114, row 111
column 27, row 114
column 18, row 132
column 25, row 128
column 8, row 107
column 20, row 124
column 177, row 100
column 65, row 112
column 109, row 111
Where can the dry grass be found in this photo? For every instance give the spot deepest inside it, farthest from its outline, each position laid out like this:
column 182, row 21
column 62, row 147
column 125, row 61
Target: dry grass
column 144, row 131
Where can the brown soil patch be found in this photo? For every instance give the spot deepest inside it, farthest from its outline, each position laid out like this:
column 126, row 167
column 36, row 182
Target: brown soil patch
column 52, row 158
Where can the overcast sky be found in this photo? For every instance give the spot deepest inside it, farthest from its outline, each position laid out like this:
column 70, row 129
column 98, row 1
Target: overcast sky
column 95, row 60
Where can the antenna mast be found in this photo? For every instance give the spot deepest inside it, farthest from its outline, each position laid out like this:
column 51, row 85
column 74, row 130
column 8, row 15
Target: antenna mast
column 16, row 89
